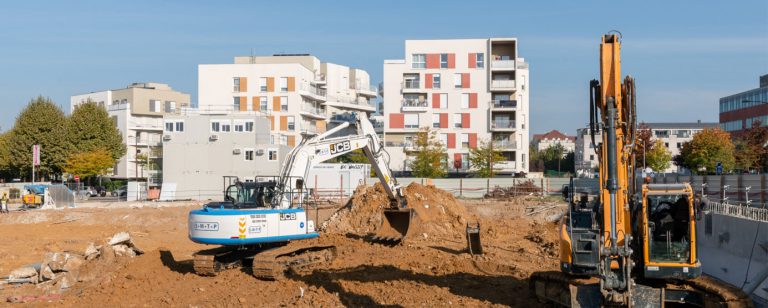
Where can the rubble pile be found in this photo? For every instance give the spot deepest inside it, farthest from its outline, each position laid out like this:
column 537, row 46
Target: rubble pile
column 61, row 270
column 525, row 188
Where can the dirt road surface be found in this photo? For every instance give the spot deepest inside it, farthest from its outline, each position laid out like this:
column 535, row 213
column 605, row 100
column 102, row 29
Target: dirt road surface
column 431, row 269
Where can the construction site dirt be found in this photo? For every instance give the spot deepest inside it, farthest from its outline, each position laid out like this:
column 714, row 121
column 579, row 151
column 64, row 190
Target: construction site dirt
column 431, row 268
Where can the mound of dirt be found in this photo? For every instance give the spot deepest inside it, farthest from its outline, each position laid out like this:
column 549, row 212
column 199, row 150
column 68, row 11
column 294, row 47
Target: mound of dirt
column 438, row 213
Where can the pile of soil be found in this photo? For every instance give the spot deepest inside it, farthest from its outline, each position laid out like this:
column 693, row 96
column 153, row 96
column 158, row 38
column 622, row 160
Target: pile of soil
column 438, row 213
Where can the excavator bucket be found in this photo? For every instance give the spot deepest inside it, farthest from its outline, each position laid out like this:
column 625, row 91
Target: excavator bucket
column 396, row 224
column 474, row 247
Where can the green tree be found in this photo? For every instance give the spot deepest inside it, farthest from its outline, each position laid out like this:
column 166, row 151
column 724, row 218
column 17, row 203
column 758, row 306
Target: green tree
column 89, row 128
column 482, row 158
column 90, row 163
column 43, row 123
column 429, row 154
column 5, row 171
column 706, row 149
column 553, row 157
column 658, row 158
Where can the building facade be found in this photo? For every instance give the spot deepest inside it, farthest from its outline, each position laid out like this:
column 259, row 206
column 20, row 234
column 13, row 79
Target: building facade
column 551, row 138
column 296, row 93
column 468, row 91
column 200, row 149
column 739, row 111
column 672, row 135
column 138, row 112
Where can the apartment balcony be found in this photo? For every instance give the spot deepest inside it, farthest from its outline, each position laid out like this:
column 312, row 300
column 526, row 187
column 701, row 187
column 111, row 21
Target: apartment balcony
column 312, row 92
column 503, row 65
column 350, row 103
column 366, row 90
column 503, row 105
column 406, row 146
column 502, row 125
column 411, row 86
column 312, row 112
column 502, row 85
column 415, row 105
column 319, row 79
column 119, row 106
column 505, row 145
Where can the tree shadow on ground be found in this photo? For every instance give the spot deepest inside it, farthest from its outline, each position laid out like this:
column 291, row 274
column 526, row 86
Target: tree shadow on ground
column 182, row 267
column 496, row 289
column 449, row 250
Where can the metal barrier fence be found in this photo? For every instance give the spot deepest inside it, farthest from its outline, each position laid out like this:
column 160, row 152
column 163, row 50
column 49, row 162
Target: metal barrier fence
column 61, row 195
column 735, row 210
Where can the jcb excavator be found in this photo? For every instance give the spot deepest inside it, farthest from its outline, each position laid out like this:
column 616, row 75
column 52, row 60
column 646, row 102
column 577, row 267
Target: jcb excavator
column 632, row 247
column 257, row 219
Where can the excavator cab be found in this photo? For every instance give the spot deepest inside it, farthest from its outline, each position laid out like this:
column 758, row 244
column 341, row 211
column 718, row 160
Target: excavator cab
column 668, row 232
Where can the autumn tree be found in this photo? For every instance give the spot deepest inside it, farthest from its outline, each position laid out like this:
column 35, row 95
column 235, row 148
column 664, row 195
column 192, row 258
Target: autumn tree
column 643, row 142
column 706, row 149
column 41, row 122
column 482, row 158
column 658, row 157
column 89, row 128
column 90, row 163
column 429, row 154
column 751, row 152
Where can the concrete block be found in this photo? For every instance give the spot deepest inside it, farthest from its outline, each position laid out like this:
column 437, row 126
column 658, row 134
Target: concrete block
column 23, row 272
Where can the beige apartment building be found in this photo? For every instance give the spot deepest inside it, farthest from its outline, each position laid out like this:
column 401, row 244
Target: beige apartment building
column 468, row 90
column 297, row 93
column 138, row 111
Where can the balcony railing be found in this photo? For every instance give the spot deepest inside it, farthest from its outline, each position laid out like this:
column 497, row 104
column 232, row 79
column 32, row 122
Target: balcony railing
column 505, row 144
column 313, row 90
column 503, row 64
column 503, row 104
column 350, row 100
column 366, row 87
column 313, row 110
column 412, row 84
column 503, row 124
column 505, row 165
column 502, row 83
column 415, row 103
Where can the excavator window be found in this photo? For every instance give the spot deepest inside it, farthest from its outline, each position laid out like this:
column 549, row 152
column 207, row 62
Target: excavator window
column 669, row 231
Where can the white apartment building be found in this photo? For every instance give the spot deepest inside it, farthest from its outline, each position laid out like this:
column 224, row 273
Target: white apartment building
column 138, row 112
column 672, row 135
column 469, row 90
column 551, row 138
column 297, row 93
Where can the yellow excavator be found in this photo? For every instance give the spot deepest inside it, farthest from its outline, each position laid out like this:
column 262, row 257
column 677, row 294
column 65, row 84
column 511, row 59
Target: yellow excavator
column 633, row 245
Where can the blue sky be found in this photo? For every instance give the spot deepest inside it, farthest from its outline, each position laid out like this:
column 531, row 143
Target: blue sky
column 685, row 55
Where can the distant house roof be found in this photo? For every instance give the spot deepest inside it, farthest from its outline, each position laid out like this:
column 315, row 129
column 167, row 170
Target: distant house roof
column 553, row 135
column 681, row 125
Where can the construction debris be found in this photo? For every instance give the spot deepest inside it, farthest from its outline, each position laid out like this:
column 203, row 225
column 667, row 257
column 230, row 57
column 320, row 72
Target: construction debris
column 62, row 269
column 524, row 188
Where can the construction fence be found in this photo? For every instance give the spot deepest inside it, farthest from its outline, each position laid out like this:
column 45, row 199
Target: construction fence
column 735, row 189
column 479, row 187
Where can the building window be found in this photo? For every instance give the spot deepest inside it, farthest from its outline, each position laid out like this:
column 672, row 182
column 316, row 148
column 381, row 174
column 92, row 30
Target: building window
column 591, row 157
column 436, row 81
column 408, row 141
column 170, row 106
column 411, row 120
column 464, row 161
column 226, row 126
column 239, row 126
column 272, row 154
column 249, row 126
column 443, row 60
column 291, row 122
column 236, row 87
column 236, row 103
column 263, row 84
column 479, row 60
column 284, row 103
column 180, row 126
column 464, row 100
column 679, row 145
column 283, row 84
column 419, row 60
column 271, row 139
column 248, row 154
column 443, row 139
column 465, row 141
column 666, row 145
column 444, row 101
column 283, row 139
column 169, row 127
column 457, row 120
column 457, row 81
column 215, row 126
column 263, row 106
column 436, row 120
column 662, row 133
column 154, row 106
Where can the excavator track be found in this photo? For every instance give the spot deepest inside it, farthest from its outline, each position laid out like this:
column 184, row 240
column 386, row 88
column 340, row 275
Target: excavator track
column 562, row 289
column 272, row 264
column 210, row 262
